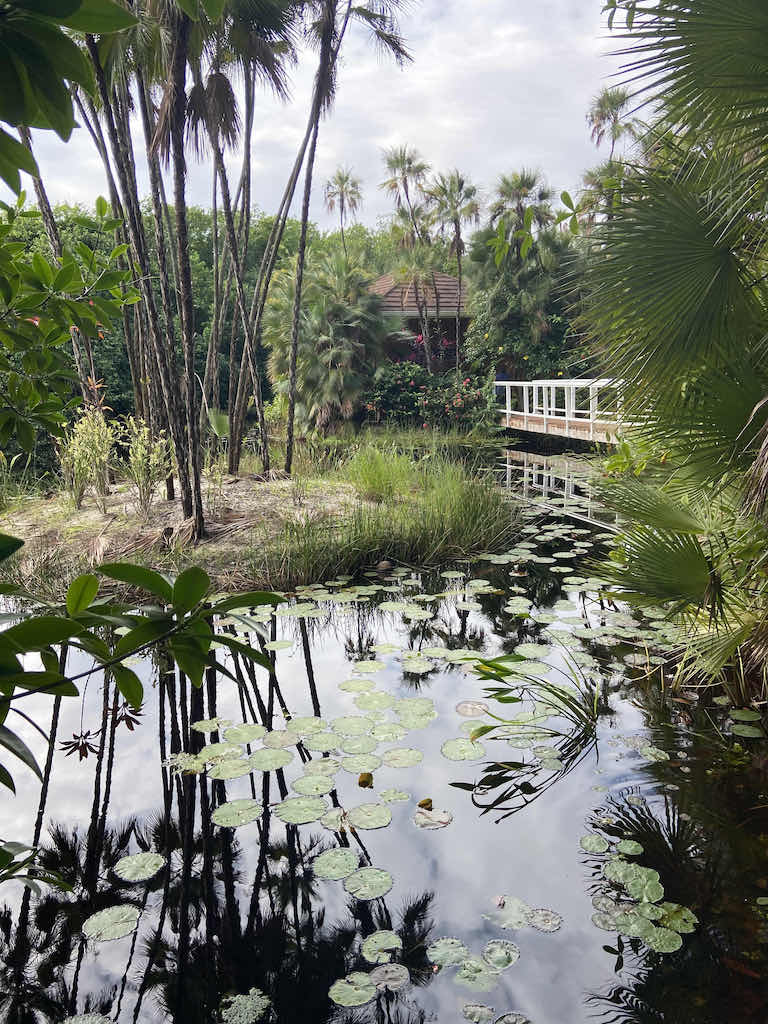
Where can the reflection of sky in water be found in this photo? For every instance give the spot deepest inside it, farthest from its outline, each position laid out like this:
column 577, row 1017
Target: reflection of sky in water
column 533, row 855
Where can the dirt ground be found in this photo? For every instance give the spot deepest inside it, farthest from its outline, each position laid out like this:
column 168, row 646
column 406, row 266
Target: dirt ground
column 240, row 512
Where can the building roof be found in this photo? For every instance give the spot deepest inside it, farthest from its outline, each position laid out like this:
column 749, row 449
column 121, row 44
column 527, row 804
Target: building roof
column 400, row 299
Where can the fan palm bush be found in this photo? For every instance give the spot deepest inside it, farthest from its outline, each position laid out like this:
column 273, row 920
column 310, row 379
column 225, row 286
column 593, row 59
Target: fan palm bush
column 677, row 309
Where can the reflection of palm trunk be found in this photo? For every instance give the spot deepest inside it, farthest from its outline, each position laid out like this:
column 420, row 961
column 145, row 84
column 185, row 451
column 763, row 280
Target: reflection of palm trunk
column 310, row 670
column 187, row 853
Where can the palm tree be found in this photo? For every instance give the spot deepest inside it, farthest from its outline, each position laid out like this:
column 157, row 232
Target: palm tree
column 455, row 203
column 328, row 29
column 343, row 190
column 519, row 191
column 407, row 174
column 605, row 114
column 677, row 310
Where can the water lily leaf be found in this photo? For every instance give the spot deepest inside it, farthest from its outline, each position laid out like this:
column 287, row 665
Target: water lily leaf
column 368, row 666
column 605, row 921
column 474, row 973
column 336, row 864
column 236, row 768
column 358, row 764
column 334, row 819
column 418, row 666
column 462, row 749
column 677, row 918
column 663, row 940
column 389, row 732
column 748, row 731
column 359, row 744
column 281, row 738
column 269, row 760
column 375, row 701
column 112, row 923
column 305, row 725
column 545, row 920
column 654, row 753
column 214, row 752
column 378, row 948
column 432, row 818
column 629, row 847
column 533, row 651
column 236, row 812
column 472, row 708
column 512, row 1018
column 352, row 725
column 244, row 1009
column 139, row 867
column 514, row 914
column 646, row 889
column 500, row 954
column 593, row 844
column 209, row 725
column 357, row 685
column 477, row 1012
column 390, row 977
column 313, row 785
column 279, row 645
column 369, row 883
column 393, row 606
column 354, row 990
column 370, row 816
column 300, row 810
column 453, row 574
column 88, row 1018
column 402, row 757
column 322, row 742
column 244, row 733
column 394, row 796
column 447, row 952
column 322, row 766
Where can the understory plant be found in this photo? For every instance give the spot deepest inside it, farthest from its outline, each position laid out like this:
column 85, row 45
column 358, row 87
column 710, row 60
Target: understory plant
column 85, row 455
column 146, row 463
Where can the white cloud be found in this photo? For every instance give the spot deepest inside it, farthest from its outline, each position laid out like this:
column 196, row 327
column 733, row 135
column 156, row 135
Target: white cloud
column 495, row 85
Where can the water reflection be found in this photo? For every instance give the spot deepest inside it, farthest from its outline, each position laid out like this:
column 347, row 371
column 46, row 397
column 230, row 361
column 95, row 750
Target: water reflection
column 241, row 909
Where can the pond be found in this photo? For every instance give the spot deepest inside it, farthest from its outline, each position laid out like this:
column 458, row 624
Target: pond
column 340, row 840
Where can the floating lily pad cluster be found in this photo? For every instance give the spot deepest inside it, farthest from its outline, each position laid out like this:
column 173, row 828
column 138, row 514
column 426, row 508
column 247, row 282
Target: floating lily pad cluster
column 244, row 1009
column 633, row 903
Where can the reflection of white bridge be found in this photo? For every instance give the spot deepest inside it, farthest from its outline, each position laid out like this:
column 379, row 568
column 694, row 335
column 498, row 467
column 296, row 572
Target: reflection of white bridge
column 553, row 480
column 564, row 408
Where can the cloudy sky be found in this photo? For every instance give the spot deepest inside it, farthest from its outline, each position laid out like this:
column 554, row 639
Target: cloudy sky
column 495, row 85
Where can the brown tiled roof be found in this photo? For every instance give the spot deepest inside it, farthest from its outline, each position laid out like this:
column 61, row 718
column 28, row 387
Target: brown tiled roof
column 401, row 299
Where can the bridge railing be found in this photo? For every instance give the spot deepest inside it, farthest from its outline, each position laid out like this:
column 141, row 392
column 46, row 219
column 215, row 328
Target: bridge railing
column 586, row 403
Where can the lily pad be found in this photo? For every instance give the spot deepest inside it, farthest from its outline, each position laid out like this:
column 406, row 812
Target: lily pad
column 377, row 701
column 322, row 766
column 112, row 923
column 281, row 738
column 305, row 725
column 279, row 645
column 244, row 1009
column 500, row 954
column 512, row 1018
column 139, row 866
column 677, row 918
column 237, row 768
column 300, row 810
column 336, row 864
column 472, row 708
column 378, row 948
column 207, row 725
column 389, row 732
column 478, row 1013
column 270, row 760
column 447, row 952
column 220, row 752
column 357, row 685
column 462, row 749
column 629, row 847
column 394, row 796
column 533, row 651
column 245, row 733
column 236, row 812
column 359, row 744
column 368, row 883
column 88, row 1018
column 431, row 819
column 748, row 731
column 322, row 742
column 545, row 920
column 402, row 757
column 474, row 973
column 663, row 940
column 390, row 977
column 352, row 725
column 593, row 844
column 354, row 990
column 358, row 763
column 513, row 914
column 368, row 666
column 370, row 816
column 313, row 785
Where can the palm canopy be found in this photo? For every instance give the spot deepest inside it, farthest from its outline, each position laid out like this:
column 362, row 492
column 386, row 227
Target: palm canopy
column 605, row 115
column 518, row 191
column 454, row 201
column 407, row 172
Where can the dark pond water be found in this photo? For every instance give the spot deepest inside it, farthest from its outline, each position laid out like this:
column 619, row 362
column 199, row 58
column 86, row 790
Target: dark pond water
column 601, row 754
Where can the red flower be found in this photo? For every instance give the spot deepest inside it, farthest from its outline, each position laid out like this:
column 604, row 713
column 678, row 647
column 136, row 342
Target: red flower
column 424, row 425
column 413, row 383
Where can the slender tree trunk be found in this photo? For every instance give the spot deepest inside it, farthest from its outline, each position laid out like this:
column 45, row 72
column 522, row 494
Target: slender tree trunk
column 300, row 261
column 177, row 122
column 458, row 307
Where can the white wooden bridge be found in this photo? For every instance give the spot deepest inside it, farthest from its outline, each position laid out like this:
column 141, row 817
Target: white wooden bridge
column 584, row 409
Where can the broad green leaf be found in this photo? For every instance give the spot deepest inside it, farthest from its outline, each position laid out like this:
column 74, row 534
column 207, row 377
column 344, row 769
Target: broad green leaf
column 18, row 748
column 8, row 545
column 249, row 599
column 81, row 593
column 38, row 632
column 145, row 633
column 129, row 685
column 138, row 576
column 190, row 588
column 99, row 17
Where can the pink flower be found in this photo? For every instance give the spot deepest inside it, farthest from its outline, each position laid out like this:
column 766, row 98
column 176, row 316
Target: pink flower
column 413, row 383
column 424, row 425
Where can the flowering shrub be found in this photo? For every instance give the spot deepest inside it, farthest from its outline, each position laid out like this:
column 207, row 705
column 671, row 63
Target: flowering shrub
column 407, row 392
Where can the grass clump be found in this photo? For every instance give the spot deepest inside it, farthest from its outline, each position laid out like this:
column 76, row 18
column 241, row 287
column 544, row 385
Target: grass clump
column 449, row 514
column 379, row 475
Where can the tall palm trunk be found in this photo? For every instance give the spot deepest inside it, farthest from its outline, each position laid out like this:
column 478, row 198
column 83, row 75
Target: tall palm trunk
column 178, row 103
column 296, row 322
column 458, row 245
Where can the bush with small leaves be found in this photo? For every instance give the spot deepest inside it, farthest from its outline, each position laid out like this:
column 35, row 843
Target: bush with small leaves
column 146, row 463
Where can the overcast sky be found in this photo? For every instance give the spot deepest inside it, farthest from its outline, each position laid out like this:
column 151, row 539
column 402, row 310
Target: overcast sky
column 495, row 85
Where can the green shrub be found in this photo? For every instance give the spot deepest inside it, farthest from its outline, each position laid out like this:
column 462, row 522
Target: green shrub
column 380, row 475
column 405, row 392
column 146, row 463
column 85, row 455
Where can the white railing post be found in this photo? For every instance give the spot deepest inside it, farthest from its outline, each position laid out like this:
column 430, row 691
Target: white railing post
column 526, row 406
column 545, row 403
column 592, row 411
column 570, row 402
column 508, row 390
